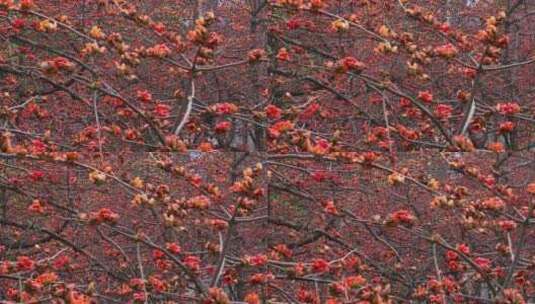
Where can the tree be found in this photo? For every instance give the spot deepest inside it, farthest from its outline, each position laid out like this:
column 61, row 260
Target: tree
column 287, row 151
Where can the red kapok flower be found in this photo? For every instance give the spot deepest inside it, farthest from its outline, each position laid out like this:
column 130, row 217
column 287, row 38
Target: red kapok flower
column 463, row 248
column 256, row 55
column 47, row 278
column 469, row 72
column 257, row 260
column 330, row 208
column 320, row 265
column 173, row 248
column 443, row 111
column 451, row 255
column 144, row 96
column 36, row 207
column 280, row 127
column 104, row 215
column 159, row 50
column 192, row 262
column 402, row 217
column 225, row 108
column 261, row 278
column 319, row 176
column 483, row 263
column 447, row 51
column 36, row 175
column 309, row 111
column 496, row 147
column 506, row 127
column 507, row 225
column 162, row 110
column 222, row 127
column 252, row 298
column 508, row 108
column 218, row 224
column 355, row 281
column 493, row 203
column 350, row 64
column 404, row 102
column 273, row 112
column 25, row 263
column 425, row 96
column 283, row 55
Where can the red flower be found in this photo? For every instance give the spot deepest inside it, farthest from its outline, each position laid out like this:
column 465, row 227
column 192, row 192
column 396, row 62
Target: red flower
column 330, row 208
column 192, row 262
column 447, row 51
column 26, row 4
column 157, row 284
column 451, row 255
column 507, row 225
column 321, row 147
column 261, row 278
column 225, row 108
column 464, row 249
column 252, row 298
column 506, row 127
column 218, row 224
column 257, row 260
column 496, row 147
column 162, row 110
column 493, row 203
column 47, row 278
column 309, row 111
column 139, row 296
column 443, row 111
column 283, row 249
column 350, row 64
column 425, row 96
column 273, row 112
column 454, row 266
column 157, row 254
column 256, row 55
column 307, row 296
column 173, row 248
column 404, row 102
column 320, row 265
column 355, row 281
column 36, row 207
column 104, row 215
column 24, row 263
column 62, row 63
column 470, row 73
column 407, row 133
column 159, row 28
column 402, row 217
column 283, row 55
column 36, row 175
column 464, row 143
column 159, row 50
column 223, row 127
column 444, row 27
column 293, row 24
column 144, row 96
column 483, row 263
column 199, row 202
column 319, row 176
column 508, row 108
column 61, row 262
column 38, row 146
column 18, row 24
column 280, row 127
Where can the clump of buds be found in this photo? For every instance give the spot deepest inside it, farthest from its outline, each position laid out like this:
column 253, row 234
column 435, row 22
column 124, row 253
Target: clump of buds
column 97, row 177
